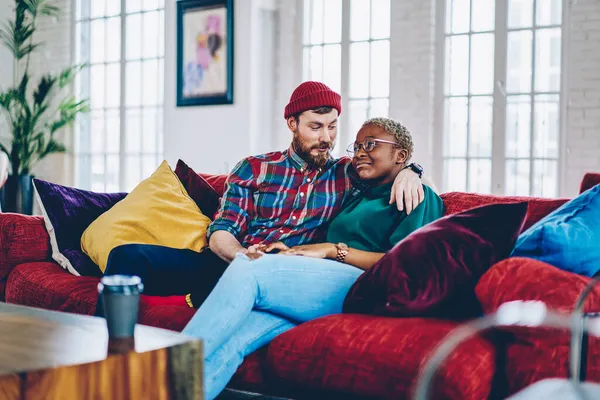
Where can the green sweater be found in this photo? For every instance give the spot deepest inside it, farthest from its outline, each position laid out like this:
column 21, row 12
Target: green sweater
column 369, row 223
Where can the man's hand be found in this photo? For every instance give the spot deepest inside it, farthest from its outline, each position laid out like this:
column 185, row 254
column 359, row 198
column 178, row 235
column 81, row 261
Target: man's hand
column 407, row 190
column 320, row 250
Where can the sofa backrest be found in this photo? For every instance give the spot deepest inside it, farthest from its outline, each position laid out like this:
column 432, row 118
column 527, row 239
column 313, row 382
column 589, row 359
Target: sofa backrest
column 590, row 180
column 538, row 208
column 456, row 202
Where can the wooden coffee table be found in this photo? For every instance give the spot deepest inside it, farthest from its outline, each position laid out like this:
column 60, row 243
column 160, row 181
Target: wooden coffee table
column 53, row 355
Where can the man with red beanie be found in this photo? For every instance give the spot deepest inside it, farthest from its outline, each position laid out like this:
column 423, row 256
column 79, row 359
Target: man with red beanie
column 291, row 196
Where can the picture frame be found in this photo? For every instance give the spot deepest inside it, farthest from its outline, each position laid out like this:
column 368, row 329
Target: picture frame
column 205, row 52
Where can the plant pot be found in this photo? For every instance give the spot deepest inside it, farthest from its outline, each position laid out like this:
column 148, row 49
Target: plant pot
column 17, row 194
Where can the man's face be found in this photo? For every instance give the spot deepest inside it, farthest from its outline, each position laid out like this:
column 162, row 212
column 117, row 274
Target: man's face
column 314, row 136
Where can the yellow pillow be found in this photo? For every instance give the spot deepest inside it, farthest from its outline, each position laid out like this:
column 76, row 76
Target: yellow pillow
column 158, row 211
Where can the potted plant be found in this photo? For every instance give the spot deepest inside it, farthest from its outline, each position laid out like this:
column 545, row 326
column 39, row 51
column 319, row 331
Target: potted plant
column 35, row 113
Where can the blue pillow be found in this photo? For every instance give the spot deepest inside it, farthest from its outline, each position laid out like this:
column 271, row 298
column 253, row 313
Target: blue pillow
column 569, row 237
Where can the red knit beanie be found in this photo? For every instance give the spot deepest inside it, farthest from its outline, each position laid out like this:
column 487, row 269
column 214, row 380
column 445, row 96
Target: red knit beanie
column 310, row 95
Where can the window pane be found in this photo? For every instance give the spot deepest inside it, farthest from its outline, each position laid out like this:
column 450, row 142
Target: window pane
column 82, row 133
column 97, row 87
column 546, row 132
column 98, row 8
column 133, row 172
column 82, row 46
column 161, row 33
column 333, row 21
column 150, row 36
column 460, row 18
column 134, row 36
column 380, row 68
column 113, row 7
column 316, row 63
column 455, row 128
column 518, row 126
column 98, row 173
column 380, row 19
column 112, row 132
column 149, row 125
column 483, row 15
column 83, row 171
column 306, row 64
column 517, row 178
column 332, row 66
column 549, row 12
column 316, row 22
column 480, row 131
column 150, row 4
column 358, row 115
column 379, row 108
column 518, row 71
column 520, row 13
column 480, row 176
column 457, row 65
column 359, row 70
column 113, row 38
column 482, row 63
column 545, row 178
column 113, row 85
column 134, row 6
column 455, row 175
column 149, row 79
column 97, row 43
column 133, row 133
column 133, row 95
column 161, row 81
column 360, row 11
column 160, row 128
column 112, row 173
column 149, row 165
column 547, row 60
column 98, row 132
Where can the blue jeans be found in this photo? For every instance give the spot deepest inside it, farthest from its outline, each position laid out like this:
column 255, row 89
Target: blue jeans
column 254, row 301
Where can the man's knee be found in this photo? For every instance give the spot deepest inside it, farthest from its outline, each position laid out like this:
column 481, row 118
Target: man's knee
column 126, row 259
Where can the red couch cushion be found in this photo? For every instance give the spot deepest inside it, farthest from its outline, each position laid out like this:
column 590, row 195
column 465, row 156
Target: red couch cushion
column 378, row 357
column 535, row 354
column 538, row 208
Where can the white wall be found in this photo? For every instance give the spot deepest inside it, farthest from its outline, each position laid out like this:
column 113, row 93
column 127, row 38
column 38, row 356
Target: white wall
column 583, row 88
column 6, row 60
column 214, row 138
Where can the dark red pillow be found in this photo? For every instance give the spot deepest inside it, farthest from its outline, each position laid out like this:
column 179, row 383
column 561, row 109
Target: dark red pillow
column 433, row 271
column 203, row 194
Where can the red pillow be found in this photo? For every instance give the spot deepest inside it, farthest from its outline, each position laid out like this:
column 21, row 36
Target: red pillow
column 203, row 194
column 434, row 270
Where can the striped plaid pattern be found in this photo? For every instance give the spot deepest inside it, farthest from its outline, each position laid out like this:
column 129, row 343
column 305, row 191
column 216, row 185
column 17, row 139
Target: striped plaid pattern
column 276, row 197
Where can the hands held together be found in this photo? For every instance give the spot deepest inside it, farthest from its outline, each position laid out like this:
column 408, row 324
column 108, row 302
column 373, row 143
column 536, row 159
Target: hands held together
column 319, row 250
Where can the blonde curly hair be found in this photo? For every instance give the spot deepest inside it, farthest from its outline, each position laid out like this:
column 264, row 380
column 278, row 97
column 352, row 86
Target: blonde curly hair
column 401, row 134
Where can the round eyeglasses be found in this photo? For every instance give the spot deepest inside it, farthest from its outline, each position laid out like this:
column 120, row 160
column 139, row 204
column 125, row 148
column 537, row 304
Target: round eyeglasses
column 367, row 145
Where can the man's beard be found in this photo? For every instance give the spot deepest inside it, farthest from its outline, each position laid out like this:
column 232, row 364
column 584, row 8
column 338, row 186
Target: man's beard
column 318, row 161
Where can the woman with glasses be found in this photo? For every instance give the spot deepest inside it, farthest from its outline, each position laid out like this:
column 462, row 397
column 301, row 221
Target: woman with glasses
column 262, row 295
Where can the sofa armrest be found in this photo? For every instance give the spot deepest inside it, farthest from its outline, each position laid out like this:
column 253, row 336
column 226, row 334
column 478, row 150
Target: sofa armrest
column 22, row 239
column 520, row 278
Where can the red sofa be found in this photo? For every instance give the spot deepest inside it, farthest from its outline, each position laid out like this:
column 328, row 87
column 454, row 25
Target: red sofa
column 343, row 356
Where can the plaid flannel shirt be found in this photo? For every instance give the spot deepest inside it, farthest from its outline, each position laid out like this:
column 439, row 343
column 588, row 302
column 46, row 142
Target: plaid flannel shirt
column 276, row 197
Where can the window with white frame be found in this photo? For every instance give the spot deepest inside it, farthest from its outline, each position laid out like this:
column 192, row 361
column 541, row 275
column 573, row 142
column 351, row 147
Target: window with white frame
column 502, row 82
column 120, row 141
column 346, row 45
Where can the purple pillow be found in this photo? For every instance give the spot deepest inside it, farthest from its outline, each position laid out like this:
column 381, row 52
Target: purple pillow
column 67, row 213
column 434, row 270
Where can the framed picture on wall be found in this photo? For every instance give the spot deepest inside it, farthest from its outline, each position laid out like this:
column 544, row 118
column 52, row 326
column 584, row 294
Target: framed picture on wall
column 204, row 52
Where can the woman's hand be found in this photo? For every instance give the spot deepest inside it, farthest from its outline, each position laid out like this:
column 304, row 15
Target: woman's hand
column 319, row 250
